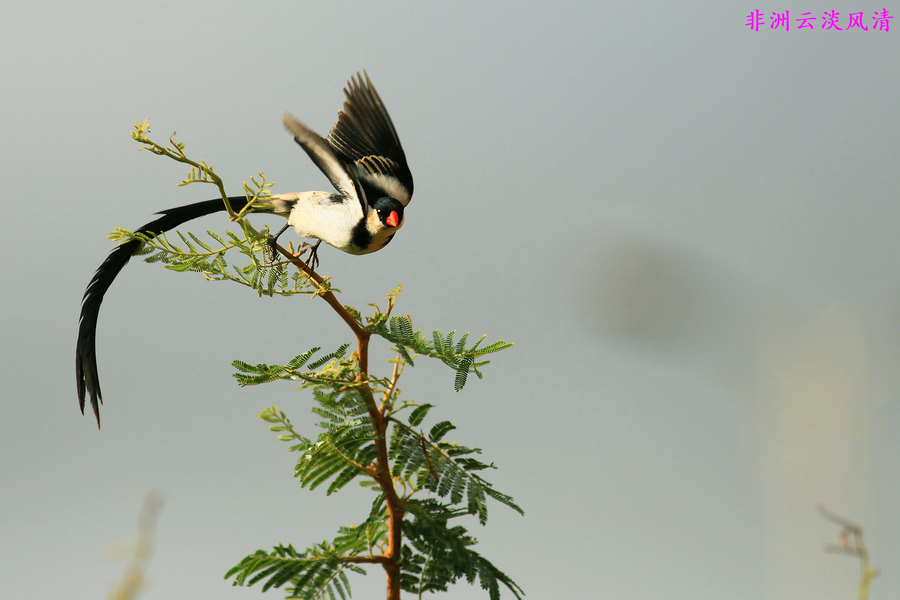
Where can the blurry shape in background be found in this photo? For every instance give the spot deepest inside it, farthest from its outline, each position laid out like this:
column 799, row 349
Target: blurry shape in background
column 850, row 543
column 137, row 552
column 805, row 374
column 664, row 300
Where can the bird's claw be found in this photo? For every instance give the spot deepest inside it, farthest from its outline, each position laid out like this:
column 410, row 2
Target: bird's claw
column 313, row 259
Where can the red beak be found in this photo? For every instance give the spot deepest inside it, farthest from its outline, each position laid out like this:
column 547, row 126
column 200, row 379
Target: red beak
column 392, row 219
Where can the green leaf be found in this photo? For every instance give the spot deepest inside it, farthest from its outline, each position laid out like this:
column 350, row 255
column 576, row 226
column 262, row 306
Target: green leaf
column 439, row 554
column 399, row 331
column 418, row 414
column 440, row 430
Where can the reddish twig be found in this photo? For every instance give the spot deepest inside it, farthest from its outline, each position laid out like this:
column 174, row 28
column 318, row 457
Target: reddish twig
column 428, row 458
column 381, row 472
column 850, row 542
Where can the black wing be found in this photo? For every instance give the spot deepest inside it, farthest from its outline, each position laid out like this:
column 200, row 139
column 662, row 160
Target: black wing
column 336, row 168
column 365, row 136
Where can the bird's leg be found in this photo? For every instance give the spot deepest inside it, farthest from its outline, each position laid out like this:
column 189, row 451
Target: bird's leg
column 313, row 259
column 274, row 240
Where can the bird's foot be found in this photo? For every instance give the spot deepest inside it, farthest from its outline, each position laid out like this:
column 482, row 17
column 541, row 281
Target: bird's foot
column 313, row 258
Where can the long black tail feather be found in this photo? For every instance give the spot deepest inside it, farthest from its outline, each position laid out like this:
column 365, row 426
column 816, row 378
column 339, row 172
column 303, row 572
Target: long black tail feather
column 86, row 376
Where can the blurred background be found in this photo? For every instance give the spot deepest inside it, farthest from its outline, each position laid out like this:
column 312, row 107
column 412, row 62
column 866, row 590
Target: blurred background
column 687, row 227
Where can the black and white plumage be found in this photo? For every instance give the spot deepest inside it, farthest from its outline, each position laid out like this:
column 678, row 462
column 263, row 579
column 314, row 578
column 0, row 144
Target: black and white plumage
column 363, row 159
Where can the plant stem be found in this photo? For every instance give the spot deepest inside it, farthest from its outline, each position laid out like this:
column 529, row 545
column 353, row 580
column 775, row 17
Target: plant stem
column 851, row 543
column 382, row 470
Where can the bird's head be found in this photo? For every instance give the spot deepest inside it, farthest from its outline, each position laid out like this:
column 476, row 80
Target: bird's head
column 390, row 212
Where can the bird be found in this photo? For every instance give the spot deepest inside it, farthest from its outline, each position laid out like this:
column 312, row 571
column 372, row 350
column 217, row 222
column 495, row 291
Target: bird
column 362, row 158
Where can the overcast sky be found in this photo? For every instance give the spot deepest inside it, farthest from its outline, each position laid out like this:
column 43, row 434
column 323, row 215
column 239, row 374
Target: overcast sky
column 688, row 228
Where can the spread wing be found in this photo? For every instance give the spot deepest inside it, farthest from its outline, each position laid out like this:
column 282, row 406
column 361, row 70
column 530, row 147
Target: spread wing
column 365, row 137
column 323, row 155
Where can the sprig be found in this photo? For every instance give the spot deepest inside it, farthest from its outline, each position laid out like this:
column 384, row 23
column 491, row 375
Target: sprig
column 423, row 483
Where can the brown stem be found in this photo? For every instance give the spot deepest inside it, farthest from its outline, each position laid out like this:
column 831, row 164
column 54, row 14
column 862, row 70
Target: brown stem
column 850, row 542
column 424, row 445
column 364, row 559
column 395, row 375
column 390, row 560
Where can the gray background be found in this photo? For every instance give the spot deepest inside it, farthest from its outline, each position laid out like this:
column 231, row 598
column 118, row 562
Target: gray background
column 688, row 228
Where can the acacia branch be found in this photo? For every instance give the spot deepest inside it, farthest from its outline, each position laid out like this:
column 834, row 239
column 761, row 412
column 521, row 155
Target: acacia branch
column 380, row 559
column 390, row 560
column 395, row 375
column 326, row 294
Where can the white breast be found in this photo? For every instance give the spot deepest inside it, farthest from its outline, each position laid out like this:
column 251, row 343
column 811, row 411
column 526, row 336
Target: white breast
column 325, row 216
